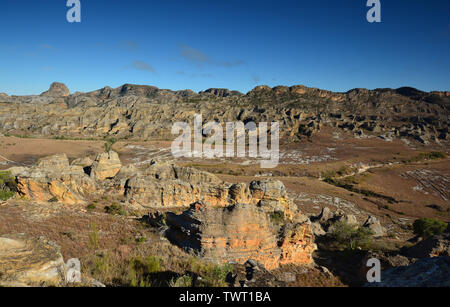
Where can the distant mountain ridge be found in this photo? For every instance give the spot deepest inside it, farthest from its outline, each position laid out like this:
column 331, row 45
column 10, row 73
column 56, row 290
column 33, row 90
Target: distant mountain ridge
column 144, row 111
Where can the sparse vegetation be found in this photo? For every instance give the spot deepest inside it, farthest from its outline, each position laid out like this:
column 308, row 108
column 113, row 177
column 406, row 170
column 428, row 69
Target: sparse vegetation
column 116, row 209
column 352, row 188
column 141, row 240
column 433, row 155
column 7, row 185
column 91, row 207
column 350, row 236
column 140, row 270
column 108, row 146
column 93, row 237
column 184, row 281
column 277, row 217
column 426, row 227
column 211, row 275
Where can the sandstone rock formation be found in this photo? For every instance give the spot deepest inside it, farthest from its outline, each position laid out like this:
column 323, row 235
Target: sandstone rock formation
column 297, row 244
column 26, row 261
column 238, row 233
column 141, row 112
column 53, row 178
column 160, row 185
column 106, row 165
column 57, row 90
column 374, row 224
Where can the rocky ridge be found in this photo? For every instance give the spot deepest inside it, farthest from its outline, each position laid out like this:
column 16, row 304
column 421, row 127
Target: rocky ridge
column 142, row 112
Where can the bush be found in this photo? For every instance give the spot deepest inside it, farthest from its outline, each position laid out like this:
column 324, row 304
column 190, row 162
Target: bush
column 109, row 144
column 184, row 281
column 350, row 236
column 7, row 185
column 211, row 275
column 91, row 207
column 277, row 217
column 93, row 237
column 140, row 270
column 116, row 209
column 426, row 227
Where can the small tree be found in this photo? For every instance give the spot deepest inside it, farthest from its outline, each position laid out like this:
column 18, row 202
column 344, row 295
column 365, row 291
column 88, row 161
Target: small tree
column 7, row 185
column 426, row 227
column 349, row 235
column 109, row 144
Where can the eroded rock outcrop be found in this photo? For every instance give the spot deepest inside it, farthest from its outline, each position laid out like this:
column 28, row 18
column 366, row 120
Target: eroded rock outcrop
column 238, row 233
column 106, row 165
column 57, row 90
column 54, row 179
column 142, row 111
column 26, row 261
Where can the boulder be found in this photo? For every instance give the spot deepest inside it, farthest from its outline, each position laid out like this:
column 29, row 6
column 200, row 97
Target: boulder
column 105, row 166
column 53, row 178
column 438, row 245
column 374, row 224
column 427, row 272
column 325, row 215
column 318, row 230
column 271, row 196
column 26, row 261
column 83, row 162
column 53, row 163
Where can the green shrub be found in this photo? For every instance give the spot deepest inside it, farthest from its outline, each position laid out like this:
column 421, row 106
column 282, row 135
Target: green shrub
column 141, row 240
column 139, row 270
column 101, row 265
column 427, row 156
column 91, row 207
column 116, row 209
column 212, row 275
column 7, row 185
column 184, row 281
column 109, row 144
column 350, row 236
column 93, row 237
column 277, row 217
column 426, row 227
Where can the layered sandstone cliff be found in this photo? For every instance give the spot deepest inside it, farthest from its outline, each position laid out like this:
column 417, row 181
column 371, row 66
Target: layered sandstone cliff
column 238, row 233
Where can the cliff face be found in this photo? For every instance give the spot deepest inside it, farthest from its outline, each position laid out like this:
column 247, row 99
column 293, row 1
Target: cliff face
column 238, row 233
column 142, row 112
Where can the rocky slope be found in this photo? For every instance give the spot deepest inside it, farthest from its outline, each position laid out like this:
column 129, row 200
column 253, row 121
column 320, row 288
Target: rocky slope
column 226, row 222
column 142, row 112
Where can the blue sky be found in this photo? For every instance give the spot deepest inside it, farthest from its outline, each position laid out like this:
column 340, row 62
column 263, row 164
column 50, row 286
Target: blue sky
column 179, row 44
